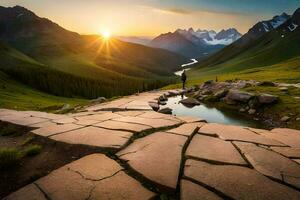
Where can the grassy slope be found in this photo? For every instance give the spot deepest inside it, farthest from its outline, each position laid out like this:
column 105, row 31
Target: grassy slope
column 17, row 96
column 271, row 57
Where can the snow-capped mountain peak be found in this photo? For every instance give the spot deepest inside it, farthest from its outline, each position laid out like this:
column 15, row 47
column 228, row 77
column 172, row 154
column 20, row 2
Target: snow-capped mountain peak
column 210, row 37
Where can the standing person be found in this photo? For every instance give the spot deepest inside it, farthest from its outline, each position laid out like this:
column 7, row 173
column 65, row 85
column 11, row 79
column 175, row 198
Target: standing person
column 183, row 79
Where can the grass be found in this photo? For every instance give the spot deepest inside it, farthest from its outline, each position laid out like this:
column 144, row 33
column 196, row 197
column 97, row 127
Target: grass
column 14, row 95
column 32, row 150
column 9, row 157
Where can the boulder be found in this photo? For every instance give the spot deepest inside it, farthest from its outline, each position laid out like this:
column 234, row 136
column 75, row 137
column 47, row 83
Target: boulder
column 267, row 98
column 206, row 91
column 99, row 100
column 166, row 110
column 190, row 101
column 285, row 119
column 252, row 111
column 163, row 98
column 283, row 89
column 242, row 110
column 154, row 106
column 254, row 103
column 267, row 83
column 221, row 93
column 240, row 96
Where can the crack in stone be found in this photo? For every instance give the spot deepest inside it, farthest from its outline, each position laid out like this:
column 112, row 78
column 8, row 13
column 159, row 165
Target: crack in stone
column 208, row 187
column 91, row 179
column 131, row 152
column 91, row 192
column 42, row 191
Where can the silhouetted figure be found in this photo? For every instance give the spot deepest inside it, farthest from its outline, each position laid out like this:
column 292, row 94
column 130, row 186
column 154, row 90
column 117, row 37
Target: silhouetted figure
column 183, row 78
column 216, row 78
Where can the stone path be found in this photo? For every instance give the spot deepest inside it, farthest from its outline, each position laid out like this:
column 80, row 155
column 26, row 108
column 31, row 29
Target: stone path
column 146, row 154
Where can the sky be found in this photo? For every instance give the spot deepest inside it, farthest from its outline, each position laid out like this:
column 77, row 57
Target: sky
column 153, row 17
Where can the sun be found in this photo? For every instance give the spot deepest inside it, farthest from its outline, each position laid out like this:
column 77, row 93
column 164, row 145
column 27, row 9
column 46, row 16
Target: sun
column 106, row 34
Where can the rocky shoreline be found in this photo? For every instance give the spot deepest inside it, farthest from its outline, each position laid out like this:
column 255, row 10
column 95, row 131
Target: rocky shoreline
column 232, row 96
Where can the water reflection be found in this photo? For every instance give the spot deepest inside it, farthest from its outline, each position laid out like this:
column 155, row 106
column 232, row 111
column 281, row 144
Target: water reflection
column 210, row 114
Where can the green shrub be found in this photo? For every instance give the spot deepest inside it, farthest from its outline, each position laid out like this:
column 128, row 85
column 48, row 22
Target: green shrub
column 9, row 157
column 33, row 150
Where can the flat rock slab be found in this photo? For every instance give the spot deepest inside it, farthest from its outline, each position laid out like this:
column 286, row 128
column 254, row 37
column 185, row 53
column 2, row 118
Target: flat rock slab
column 94, row 136
column 54, row 129
column 189, row 119
column 116, row 104
column 157, row 157
column 192, row 191
column 99, row 117
column 289, row 137
column 122, row 126
column 156, row 115
column 132, row 113
column 66, row 120
column 238, row 182
column 92, row 177
column 186, row 129
column 291, row 152
column 148, row 122
column 214, row 150
column 30, row 192
column 271, row 164
column 237, row 133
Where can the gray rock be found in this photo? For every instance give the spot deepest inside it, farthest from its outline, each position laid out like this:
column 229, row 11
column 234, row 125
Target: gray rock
column 220, row 94
column 242, row 110
column 252, row 111
column 163, row 98
column 190, row 102
column 66, row 107
column 99, row 100
column 267, row 98
column 283, row 89
column 241, row 96
column 298, row 119
column 166, row 110
column 254, row 103
column 267, row 83
column 206, row 92
column 285, row 119
column 154, row 106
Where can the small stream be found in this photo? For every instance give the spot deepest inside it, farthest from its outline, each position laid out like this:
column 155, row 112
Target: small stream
column 210, row 114
column 178, row 73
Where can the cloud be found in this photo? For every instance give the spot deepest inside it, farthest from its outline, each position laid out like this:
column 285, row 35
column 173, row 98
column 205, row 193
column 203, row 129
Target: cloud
column 175, row 11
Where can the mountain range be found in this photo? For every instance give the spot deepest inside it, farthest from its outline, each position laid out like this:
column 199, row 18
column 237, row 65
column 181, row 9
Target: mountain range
column 195, row 44
column 270, row 50
column 42, row 54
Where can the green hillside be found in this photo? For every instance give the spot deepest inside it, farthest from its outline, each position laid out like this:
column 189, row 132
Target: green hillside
column 274, row 56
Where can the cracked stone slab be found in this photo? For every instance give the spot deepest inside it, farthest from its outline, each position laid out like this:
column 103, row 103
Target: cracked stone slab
column 99, row 117
column 289, row 137
column 189, row 119
column 192, row 191
column 214, row 150
column 55, row 129
column 132, row 113
column 291, row 152
column 66, row 120
column 157, row 157
column 122, row 126
column 297, row 161
column 94, row 136
column 43, row 124
column 120, row 187
column 86, row 122
column 155, row 123
column 110, row 105
column 237, row 133
column 271, row 164
column 186, row 129
column 138, row 105
column 30, row 192
column 156, row 115
column 92, row 177
column 45, row 115
column 23, row 119
column 95, row 167
column 238, row 182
